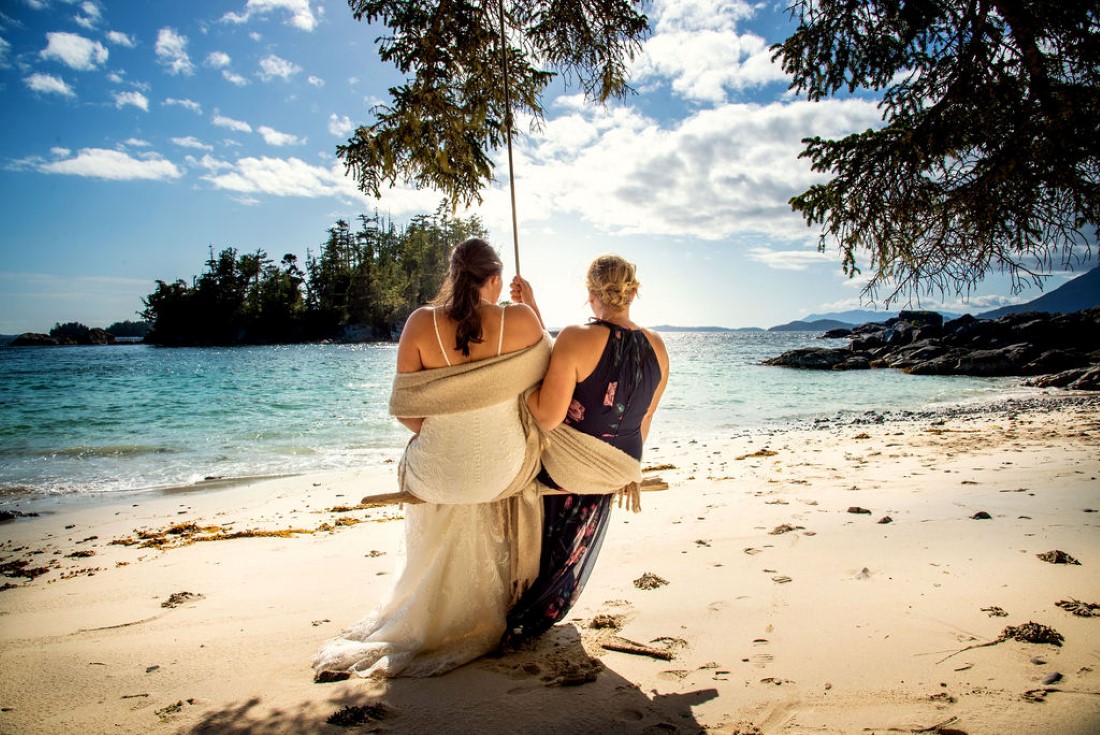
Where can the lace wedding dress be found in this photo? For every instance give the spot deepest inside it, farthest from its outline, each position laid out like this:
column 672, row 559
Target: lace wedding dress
column 452, row 592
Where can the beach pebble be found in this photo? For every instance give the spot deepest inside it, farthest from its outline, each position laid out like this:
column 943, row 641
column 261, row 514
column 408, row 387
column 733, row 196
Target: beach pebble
column 1052, row 678
column 857, row 509
column 886, row 519
column 1038, row 661
column 981, row 515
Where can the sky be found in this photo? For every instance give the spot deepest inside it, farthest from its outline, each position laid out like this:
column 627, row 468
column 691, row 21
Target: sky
column 138, row 134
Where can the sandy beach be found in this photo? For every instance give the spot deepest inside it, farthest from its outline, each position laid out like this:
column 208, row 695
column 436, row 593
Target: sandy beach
column 847, row 577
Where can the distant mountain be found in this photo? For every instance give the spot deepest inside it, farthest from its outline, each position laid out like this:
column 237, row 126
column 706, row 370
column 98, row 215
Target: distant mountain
column 670, row 328
column 853, row 317
column 817, row 325
column 1082, row 292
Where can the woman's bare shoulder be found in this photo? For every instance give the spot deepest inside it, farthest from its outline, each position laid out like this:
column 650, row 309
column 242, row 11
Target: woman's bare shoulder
column 521, row 321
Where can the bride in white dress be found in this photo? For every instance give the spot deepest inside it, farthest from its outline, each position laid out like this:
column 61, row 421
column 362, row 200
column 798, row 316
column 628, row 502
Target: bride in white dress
column 453, row 586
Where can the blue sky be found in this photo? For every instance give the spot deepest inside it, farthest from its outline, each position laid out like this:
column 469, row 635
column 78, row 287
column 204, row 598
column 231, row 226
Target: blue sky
column 137, row 134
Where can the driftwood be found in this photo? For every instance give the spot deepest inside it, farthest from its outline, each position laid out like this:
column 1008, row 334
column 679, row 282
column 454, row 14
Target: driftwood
column 648, row 484
column 624, row 646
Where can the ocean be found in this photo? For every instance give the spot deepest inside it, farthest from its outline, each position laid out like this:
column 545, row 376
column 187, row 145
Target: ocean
column 80, row 420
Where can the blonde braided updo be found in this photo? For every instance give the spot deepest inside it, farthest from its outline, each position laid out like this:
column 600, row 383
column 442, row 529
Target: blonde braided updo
column 612, row 280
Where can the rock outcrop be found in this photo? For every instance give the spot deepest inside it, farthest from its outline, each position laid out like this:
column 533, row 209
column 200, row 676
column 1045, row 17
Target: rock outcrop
column 1063, row 348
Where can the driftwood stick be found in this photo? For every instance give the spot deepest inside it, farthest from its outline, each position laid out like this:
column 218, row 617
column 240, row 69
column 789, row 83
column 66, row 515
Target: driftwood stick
column 648, row 484
column 627, row 647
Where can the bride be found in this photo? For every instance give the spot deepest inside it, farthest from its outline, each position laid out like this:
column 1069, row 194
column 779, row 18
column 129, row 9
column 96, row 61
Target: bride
column 463, row 364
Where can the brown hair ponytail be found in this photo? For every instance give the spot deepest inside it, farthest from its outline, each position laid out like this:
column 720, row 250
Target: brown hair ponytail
column 473, row 262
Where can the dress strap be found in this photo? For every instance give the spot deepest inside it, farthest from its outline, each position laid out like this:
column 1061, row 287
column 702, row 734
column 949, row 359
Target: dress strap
column 440, row 339
column 500, row 342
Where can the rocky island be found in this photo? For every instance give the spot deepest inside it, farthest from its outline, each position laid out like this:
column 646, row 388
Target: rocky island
column 1054, row 350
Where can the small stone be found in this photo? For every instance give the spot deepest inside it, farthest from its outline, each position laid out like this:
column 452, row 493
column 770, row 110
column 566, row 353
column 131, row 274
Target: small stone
column 1038, row 661
column 981, row 515
column 1052, row 678
column 857, row 509
column 886, row 519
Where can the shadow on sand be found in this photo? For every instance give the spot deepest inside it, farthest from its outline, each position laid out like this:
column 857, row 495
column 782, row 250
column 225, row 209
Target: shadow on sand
column 555, row 687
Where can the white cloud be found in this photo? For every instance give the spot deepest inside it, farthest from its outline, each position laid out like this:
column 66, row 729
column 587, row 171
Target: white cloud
column 171, row 52
column 60, row 152
column 218, row 59
column 717, row 174
column 191, row 105
column 790, row 260
column 101, row 163
column 121, row 39
column 5, row 49
column 116, row 78
column 696, row 47
column 279, row 177
column 74, row 51
column 137, row 99
column 316, row 81
column 136, row 143
column 228, row 122
column 36, row 4
column 191, row 141
column 301, row 15
column 274, row 137
column 340, row 126
column 234, row 78
column 209, row 163
column 91, row 16
column 272, row 66
column 49, row 84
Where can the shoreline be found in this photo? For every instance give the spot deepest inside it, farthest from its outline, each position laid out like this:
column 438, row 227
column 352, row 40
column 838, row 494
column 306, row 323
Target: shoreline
column 1006, row 402
column 785, row 608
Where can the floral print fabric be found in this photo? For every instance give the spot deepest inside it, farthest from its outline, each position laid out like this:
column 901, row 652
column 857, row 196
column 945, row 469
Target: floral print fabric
column 609, row 404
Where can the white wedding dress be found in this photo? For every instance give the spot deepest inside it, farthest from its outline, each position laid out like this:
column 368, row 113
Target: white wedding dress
column 452, row 592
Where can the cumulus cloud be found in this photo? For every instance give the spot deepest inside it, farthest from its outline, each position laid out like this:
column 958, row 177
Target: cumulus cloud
column 90, row 15
column 136, row 143
column 218, row 59
column 234, row 78
column 121, row 39
column 274, row 137
column 301, row 15
column 171, row 49
column 101, row 163
column 272, row 66
column 278, row 177
column 227, row 122
column 187, row 104
column 5, row 49
column 697, row 49
column 49, row 84
column 715, row 174
column 74, row 51
column 316, row 81
column 191, row 141
column 136, row 99
column 340, row 126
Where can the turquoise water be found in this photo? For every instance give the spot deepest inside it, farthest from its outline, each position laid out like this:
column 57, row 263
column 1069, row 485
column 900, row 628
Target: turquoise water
column 129, row 417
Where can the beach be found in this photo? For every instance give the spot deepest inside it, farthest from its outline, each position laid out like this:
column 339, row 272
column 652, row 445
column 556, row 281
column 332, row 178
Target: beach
column 865, row 574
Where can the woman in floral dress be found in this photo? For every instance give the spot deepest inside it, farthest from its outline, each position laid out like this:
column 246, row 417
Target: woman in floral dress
column 605, row 379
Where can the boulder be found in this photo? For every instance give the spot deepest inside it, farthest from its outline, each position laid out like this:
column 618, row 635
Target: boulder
column 811, row 358
column 990, row 363
column 1090, row 380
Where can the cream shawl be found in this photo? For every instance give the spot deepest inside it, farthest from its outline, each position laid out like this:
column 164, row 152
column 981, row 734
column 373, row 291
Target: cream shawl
column 577, row 461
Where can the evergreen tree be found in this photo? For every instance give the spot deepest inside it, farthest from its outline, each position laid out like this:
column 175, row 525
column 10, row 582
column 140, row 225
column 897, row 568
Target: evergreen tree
column 444, row 122
column 989, row 155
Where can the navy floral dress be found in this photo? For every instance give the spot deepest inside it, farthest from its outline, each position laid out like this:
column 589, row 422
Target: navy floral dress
column 609, row 404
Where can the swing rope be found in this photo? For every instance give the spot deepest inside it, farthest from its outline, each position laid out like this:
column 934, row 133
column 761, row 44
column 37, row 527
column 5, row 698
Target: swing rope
column 508, row 131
